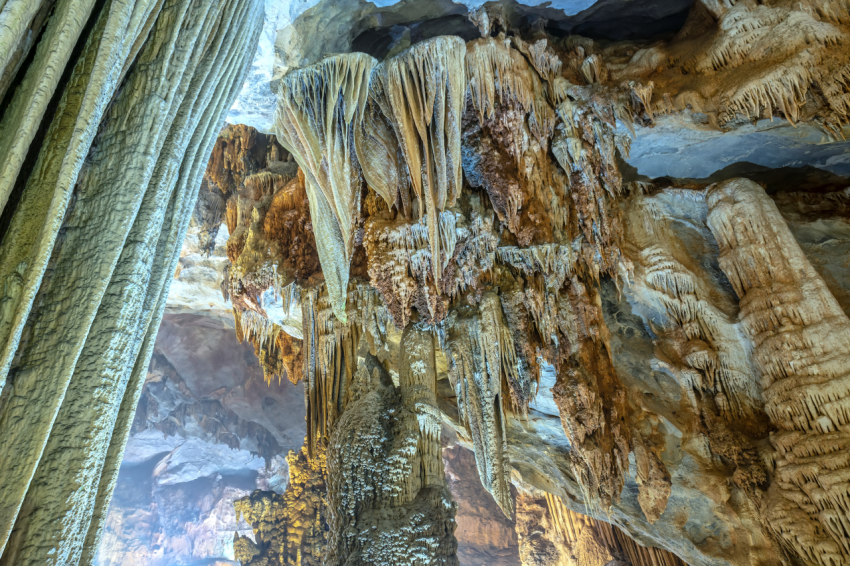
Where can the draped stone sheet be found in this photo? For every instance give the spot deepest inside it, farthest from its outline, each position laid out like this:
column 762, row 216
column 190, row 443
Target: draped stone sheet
column 91, row 240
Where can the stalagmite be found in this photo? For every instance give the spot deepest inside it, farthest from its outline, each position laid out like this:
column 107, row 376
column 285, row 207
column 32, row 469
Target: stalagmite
column 112, row 242
column 388, row 500
column 801, row 345
column 288, row 528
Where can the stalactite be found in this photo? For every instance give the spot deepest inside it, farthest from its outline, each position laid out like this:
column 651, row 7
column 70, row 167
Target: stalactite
column 573, row 528
column 482, row 361
column 760, row 60
column 239, row 152
column 400, row 263
column 319, row 109
column 801, row 345
column 329, row 352
column 112, row 243
column 272, row 249
column 555, row 261
column 422, row 91
column 584, row 145
column 493, row 67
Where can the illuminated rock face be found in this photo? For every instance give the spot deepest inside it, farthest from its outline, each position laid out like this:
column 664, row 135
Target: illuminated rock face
column 587, row 340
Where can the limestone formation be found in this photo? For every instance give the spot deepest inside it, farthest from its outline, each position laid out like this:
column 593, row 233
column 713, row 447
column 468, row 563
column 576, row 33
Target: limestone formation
column 479, row 195
column 290, row 529
column 800, row 348
column 388, row 501
column 239, row 152
column 104, row 139
column 448, row 239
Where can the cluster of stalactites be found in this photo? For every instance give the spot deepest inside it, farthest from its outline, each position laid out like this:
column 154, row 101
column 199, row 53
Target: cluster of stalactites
column 423, row 89
column 400, row 262
column 329, row 352
column 801, row 345
column 588, row 539
column 762, row 59
column 409, row 105
column 318, row 110
column 585, row 145
column 496, row 71
column 711, row 347
column 482, row 361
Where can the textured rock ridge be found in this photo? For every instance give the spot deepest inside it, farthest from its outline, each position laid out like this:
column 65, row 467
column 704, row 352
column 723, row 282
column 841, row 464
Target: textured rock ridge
column 388, row 500
column 104, row 140
column 800, row 347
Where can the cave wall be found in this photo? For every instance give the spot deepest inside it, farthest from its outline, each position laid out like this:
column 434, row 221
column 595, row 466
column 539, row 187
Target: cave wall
column 448, row 229
column 591, row 345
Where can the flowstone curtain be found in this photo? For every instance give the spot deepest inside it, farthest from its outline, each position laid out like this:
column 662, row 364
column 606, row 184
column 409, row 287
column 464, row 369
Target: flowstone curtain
column 109, row 113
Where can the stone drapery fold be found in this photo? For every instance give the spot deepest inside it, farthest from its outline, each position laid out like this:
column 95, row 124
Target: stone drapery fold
column 105, row 142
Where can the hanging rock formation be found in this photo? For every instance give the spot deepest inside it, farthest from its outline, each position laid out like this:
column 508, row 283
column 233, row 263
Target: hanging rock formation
column 479, row 194
column 108, row 122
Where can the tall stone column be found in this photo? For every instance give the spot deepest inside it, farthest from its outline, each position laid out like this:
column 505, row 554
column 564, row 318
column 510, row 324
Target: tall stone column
column 801, row 341
column 387, row 495
column 102, row 148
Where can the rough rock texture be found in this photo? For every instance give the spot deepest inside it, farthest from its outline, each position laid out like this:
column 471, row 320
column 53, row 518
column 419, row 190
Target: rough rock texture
column 290, row 528
column 800, row 341
column 589, row 342
column 454, row 238
column 551, row 533
column 238, row 153
column 106, row 127
column 388, row 501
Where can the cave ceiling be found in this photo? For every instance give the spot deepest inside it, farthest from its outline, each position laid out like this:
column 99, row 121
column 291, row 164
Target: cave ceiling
column 680, row 146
